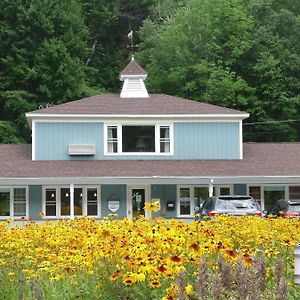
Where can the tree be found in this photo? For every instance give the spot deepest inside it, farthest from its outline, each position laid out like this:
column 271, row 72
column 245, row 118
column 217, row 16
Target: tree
column 42, row 53
column 237, row 53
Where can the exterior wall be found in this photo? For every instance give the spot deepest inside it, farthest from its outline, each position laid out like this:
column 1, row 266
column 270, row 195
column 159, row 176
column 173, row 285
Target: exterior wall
column 203, row 140
column 53, row 139
column 206, row 140
column 113, row 192
column 166, row 193
column 35, row 202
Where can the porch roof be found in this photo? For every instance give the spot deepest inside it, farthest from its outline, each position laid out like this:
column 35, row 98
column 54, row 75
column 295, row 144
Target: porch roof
column 260, row 159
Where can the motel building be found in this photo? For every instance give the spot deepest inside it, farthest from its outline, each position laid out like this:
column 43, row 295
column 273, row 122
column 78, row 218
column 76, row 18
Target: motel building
column 111, row 153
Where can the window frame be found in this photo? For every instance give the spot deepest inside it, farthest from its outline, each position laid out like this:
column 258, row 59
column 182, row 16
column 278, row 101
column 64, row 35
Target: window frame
column 157, row 126
column 12, row 202
column 192, row 198
column 58, row 201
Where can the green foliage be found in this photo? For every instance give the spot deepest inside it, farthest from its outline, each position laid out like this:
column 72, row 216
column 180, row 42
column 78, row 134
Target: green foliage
column 243, row 54
column 239, row 54
column 9, row 133
column 42, row 49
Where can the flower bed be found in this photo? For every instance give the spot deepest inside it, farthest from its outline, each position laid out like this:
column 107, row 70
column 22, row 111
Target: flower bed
column 225, row 257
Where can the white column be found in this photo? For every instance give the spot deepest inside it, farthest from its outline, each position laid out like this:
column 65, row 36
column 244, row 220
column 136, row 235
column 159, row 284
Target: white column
column 72, row 201
column 211, row 188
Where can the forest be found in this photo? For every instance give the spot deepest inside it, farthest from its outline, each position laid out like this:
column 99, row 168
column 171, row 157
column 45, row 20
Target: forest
column 241, row 54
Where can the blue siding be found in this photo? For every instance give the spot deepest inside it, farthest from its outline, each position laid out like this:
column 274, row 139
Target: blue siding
column 113, row 192
column 53, row 139
column 165, row 192
column 35, row 202
column 205, row 140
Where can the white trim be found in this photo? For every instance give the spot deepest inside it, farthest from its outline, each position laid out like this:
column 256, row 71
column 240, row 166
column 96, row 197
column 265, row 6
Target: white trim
column 33, row 137
column 241, row 138
column 84, row 189
column 80, row 117
column 156, row 126
column 263, row 185
column 191, row 188
column 150, row 179
column 129, row 197
column 11, row 201
column 123, row 77
column 72, row 201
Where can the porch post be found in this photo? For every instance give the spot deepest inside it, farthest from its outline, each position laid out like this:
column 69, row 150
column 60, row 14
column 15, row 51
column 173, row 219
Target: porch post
column 211, row 188
column 72, row 201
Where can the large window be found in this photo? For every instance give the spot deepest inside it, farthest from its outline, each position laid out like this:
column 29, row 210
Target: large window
column 190, row 197
column 57, row 201
column 13, row 202
column 138, row 139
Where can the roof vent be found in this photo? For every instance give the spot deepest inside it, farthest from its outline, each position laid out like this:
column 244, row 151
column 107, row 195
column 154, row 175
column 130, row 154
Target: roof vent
column 133, row 76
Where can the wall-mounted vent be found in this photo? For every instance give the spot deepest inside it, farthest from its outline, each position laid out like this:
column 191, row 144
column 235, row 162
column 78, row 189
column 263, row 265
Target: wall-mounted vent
column 86, row 149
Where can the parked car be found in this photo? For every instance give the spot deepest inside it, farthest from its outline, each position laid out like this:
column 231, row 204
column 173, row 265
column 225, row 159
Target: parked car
column 286, row 208
column 231, row 205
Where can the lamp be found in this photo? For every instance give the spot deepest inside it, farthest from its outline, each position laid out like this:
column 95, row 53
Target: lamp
column 52, row 195
column 67, row 194
column 140, row 144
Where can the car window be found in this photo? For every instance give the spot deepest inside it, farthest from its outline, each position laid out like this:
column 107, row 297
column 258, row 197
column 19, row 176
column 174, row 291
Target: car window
column 208, row 204
column 294, row 207
column 236, row 204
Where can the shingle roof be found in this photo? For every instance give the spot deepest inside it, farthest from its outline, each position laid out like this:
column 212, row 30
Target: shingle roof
column 260, row 159
column 158, row 104
column 133, row 68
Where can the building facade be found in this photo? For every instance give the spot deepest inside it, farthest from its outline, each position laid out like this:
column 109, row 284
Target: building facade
column 111, row 153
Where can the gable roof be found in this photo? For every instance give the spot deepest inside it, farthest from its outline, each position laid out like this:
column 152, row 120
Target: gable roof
column 156, row 104
column 261, row 159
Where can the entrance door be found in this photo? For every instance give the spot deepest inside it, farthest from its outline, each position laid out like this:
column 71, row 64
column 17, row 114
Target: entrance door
column 138, row 202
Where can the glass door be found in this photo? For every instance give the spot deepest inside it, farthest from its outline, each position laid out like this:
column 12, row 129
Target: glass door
column 272, row 194
column 138, row 202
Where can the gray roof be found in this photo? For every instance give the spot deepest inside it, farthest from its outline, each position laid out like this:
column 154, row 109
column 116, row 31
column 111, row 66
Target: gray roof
column 260, row 159
column 156, row 104
column 133, row 68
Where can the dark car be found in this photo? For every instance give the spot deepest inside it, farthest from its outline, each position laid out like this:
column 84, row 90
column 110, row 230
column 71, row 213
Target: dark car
column 286, row 208
column 231, row 205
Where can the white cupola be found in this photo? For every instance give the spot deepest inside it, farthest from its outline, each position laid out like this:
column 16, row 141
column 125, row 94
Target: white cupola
column 133, row 76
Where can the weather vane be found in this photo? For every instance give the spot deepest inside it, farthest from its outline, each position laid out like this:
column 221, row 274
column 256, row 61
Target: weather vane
column 132, row 46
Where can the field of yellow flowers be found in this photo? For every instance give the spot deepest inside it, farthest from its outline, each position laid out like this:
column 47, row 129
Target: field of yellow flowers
column 222, row 258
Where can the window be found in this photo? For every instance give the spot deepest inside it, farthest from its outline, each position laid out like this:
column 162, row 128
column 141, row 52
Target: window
column 65, row 202
column 19, row 202
column 4, row 202
column 294, row 192
column 185, row 201
column 92, row 203
column 57, row 201
column 50, row 202
column 200, row 196
column 190, row 197
column 138, row 139
column 164, row 139
column 112, row 139
column 13, row 202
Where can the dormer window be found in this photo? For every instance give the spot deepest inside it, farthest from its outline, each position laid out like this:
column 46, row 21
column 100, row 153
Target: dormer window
column 136, row 139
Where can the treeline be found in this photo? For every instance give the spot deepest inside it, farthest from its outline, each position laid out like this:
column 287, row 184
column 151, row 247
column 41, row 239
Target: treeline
column 243, row 54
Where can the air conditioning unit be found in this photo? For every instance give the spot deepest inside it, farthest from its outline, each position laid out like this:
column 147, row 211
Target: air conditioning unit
column 86, row 149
